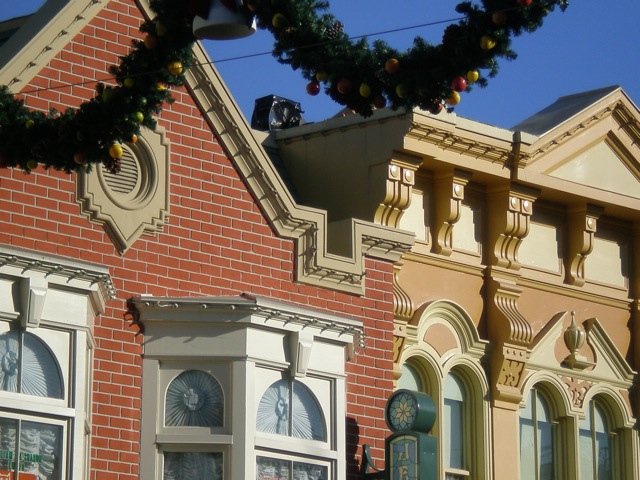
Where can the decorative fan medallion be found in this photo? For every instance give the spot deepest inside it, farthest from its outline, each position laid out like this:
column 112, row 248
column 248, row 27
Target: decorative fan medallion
column 194, row 399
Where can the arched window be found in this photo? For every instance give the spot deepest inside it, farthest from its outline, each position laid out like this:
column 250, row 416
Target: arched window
column 289, row 408
column 536, row 439
column 595, row 444
column 455, row 424
column 27, row 366
column 194, row 399
column 410, row 379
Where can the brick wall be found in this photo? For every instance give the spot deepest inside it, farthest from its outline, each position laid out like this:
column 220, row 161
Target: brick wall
column 216, row 243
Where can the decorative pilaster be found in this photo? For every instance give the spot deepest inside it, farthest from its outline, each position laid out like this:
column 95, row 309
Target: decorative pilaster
column 509, row 215
column 634, row 290
column 403, row 310
column 449, row 193
column 582, row 225
column 398, row 188
column 512, row 334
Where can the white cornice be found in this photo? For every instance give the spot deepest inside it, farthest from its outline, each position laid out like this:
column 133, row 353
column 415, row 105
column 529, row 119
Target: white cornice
column 266, row 312
column 42, row 37
column 60, row 271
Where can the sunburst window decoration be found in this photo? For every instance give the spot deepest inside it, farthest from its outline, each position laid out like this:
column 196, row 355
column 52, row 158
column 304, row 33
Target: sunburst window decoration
column 290, row 408
column 194, row 399
column 27, row 366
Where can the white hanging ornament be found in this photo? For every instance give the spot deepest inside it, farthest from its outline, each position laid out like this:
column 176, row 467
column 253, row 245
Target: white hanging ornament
column 227, row 20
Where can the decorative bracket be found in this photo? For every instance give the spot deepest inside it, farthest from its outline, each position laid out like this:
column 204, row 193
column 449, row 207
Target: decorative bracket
column 509, row 215
column 512, row 335
column 367, row 465
column 33, row 295
column 403, row 310
column 398, row 188
column 449, row 192
column 582, row 228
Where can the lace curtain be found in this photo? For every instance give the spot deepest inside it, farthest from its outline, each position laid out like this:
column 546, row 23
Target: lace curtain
column 192, row 466
column 39, row 448
column 278, row 469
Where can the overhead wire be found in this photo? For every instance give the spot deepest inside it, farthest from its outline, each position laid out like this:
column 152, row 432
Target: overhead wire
column 38, row 90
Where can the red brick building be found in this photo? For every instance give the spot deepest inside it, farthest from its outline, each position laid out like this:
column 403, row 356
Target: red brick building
column 196, row 267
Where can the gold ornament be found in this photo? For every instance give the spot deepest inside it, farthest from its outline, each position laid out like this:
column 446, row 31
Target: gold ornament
column 175, row 68
column 115, row 151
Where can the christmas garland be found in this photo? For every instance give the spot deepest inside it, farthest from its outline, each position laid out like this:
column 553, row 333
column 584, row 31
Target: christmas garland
column 358, row 75
column 362, row 76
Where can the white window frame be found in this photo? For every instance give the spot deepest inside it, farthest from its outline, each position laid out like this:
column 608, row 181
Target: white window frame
column 291, row 447
column 56, row 302
column 260, row 341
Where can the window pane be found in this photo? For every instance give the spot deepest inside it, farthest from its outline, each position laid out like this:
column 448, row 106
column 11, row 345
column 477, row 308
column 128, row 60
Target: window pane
column 602, row 447
column 536, row 439
column 294, row 413
column 194, row 399
column 410, row 379
column 192, row 465
column 272, row 469
column 545, row 455
column 40, row 449
column 586, row 454
column 9, row 358
column 279, row 469
column 453, row 422
column 309, row 471
column 307, row 418
column 8, row 430
column 40, row 371
column 527, row 450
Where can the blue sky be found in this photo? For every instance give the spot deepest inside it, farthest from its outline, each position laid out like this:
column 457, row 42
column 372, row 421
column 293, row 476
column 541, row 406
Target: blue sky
column 593, row 44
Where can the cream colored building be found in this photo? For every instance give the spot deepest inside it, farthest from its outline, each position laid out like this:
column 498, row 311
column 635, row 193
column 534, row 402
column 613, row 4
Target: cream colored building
column 516, row 308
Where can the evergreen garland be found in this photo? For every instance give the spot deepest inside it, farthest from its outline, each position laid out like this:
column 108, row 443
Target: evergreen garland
column 357, row 75
column 362, row 76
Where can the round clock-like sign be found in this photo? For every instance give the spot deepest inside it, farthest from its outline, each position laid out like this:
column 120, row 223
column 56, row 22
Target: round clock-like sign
column 408, row 410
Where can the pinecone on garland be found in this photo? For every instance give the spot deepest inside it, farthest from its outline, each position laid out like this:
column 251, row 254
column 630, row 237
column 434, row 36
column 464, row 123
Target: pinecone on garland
column 334, row 30
column 383, row 77
column 288, row 35
column 113, row 165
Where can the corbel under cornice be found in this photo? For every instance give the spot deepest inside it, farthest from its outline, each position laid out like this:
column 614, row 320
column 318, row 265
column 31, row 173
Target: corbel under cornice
column 401, row 174
column 506, row 323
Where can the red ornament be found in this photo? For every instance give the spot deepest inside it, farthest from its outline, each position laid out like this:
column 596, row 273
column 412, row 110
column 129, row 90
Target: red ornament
column 313, row 88
column 392, row 65
column 524, row 3
column 344, row 86
column 459, row 84
column 436, row 108
column 499, row 18
column 379, row 102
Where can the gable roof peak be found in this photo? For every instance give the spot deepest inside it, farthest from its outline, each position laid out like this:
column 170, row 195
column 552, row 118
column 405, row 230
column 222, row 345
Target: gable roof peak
column 562, row 110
